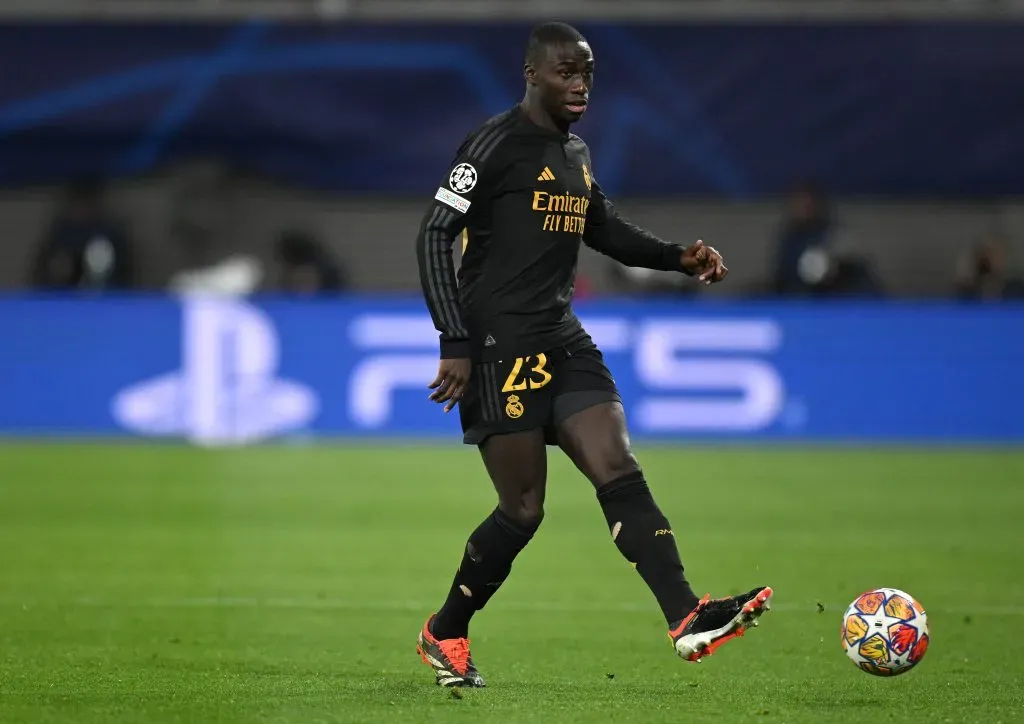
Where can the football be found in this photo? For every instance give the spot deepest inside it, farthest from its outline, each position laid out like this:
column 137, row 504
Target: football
column 885, row 632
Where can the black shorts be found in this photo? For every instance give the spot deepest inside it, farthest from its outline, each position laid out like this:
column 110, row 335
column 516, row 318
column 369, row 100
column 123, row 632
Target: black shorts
column 535, row 391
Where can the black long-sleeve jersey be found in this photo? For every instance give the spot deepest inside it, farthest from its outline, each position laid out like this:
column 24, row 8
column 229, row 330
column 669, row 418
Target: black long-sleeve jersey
column 522, row 197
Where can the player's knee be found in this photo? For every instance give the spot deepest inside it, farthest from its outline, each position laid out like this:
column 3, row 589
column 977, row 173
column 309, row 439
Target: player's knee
column 616, row 464
column 530, row 518
column 526, row 512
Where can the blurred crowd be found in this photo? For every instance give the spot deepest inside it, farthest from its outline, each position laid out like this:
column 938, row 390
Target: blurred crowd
column 814, row 256
column 87, row 246
column 812, row 252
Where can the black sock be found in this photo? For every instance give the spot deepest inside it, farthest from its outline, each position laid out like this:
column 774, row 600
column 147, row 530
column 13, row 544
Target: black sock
column 645, row 538
column 485, row 565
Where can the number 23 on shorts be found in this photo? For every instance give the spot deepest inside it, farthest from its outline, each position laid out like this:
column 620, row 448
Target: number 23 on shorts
column 528, row 373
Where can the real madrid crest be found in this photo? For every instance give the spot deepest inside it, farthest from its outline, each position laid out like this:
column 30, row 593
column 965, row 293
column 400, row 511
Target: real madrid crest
column 586, row 176
column 514, row 408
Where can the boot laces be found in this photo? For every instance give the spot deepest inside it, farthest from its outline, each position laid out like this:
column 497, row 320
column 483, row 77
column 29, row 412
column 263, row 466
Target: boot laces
column 457, row 653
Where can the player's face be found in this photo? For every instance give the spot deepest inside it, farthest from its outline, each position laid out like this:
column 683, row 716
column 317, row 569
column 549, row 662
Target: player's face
column 564, row 80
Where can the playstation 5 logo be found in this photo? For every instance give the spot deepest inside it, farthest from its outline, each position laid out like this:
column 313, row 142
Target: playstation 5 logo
column 226, row 392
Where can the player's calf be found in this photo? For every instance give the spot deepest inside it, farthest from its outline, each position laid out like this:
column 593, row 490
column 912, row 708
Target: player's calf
column 645, row 538
column 715, row 621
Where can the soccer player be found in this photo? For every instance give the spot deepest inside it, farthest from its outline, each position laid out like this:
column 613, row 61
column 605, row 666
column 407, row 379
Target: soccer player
column 522, row 194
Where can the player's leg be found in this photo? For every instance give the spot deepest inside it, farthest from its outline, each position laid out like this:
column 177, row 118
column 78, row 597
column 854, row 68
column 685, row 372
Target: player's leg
column 509, row 434
column 597, row 441
column 591, row 429
column 517, row 465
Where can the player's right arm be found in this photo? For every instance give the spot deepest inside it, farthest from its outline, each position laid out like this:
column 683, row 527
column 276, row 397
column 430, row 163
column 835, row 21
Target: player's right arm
column 465, row 184
column 441, row 225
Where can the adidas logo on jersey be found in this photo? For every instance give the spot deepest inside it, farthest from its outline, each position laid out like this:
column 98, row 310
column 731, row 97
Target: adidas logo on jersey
column 546, row 175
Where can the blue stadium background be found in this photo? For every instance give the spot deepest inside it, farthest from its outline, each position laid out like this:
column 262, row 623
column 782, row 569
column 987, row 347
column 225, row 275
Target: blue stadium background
column 679, row 109
column 687, row 110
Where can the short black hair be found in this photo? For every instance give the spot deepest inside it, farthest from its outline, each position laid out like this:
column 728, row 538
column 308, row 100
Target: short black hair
column 548, row 34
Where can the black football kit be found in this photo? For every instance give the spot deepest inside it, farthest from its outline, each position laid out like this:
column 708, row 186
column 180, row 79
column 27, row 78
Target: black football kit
column 521, row 198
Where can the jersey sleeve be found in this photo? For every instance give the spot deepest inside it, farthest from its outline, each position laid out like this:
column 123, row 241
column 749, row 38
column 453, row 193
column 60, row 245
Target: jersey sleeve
column 607, row 232
column 441, row 225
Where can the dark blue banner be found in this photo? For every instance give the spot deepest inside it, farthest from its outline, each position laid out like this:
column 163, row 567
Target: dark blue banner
column 734, row 110
column 233, row 372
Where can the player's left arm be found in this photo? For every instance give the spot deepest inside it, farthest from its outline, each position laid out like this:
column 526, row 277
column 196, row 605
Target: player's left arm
column 607, row 232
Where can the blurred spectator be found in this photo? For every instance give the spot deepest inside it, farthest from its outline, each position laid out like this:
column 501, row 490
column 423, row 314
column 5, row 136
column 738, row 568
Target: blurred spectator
column 305, row 267
column 983, row 273
column 85, row 246
column 811, row 257
column 202, row 217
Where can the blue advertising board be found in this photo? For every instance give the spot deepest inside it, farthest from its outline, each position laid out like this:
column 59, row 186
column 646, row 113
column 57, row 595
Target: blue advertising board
column 229, row 371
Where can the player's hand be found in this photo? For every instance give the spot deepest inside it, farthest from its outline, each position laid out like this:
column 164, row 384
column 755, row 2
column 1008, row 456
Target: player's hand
column 704, row 262
column 451, row 382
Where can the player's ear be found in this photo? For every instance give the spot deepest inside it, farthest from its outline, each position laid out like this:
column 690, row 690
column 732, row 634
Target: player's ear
column 530, row 74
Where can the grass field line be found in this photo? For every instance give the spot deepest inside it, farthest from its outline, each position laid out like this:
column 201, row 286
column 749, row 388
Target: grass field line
column 345, row 604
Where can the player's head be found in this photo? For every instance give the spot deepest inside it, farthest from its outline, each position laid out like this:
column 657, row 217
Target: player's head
column 559, row 71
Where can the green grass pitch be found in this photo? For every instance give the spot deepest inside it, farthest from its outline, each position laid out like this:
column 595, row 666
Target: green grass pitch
column 287, row 584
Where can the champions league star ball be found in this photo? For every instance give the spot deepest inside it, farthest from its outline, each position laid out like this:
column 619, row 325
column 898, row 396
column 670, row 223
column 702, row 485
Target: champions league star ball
column 885, row 632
